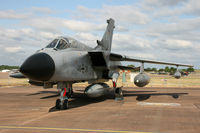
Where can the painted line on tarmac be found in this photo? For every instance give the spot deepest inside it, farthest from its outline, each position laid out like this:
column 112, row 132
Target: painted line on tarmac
column 68, row 129
column 158, row 104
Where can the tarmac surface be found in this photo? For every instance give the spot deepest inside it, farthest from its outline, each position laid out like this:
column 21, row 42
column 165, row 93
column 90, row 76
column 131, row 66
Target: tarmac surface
column 30, row 109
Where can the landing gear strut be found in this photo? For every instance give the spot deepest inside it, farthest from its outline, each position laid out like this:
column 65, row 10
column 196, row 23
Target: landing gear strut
column 65, row 90
column 117, row 90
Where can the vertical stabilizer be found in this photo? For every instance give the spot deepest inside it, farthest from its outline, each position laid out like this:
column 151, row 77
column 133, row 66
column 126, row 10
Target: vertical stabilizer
column 106, row 42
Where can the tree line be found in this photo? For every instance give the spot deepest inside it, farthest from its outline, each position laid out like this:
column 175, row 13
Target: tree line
column 166, row 69
column 148, row 69
column 2, row 67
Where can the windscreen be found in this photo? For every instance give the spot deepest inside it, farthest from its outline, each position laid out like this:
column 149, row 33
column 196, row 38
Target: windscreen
column 52, row 44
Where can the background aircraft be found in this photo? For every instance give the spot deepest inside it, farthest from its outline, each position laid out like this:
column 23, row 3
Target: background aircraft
column 66, row 61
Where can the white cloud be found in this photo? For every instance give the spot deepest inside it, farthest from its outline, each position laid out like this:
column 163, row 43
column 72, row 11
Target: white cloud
column 82, row 26
column 53, row 24
column 174, row 7
column 157, row 30
column 129, row 42
column 121, row 13
column 161, row 3
column 13, row 49
column 126, row 14
column 11, row 14
column 26, row 14
column 191, row 7
column 87, row 38
column 181, row 29
column 179, row 44
column 42, row 10
column 18, row 44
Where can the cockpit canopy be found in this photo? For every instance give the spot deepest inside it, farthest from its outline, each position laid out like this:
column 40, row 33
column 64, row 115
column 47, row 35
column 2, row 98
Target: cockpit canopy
column 59, row 44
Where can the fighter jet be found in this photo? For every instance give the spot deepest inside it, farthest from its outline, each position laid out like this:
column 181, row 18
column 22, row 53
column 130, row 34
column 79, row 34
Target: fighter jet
column 66, row 61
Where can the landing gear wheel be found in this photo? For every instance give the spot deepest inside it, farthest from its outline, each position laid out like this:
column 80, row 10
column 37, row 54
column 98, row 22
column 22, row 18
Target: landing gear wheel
column 118, row 94
column 65, row 104
column 118, row 91
column 175, row 96
column 58, row 104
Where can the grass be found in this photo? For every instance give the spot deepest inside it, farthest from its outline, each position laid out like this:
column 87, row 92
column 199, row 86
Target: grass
column 193, row 80
column 13, row 82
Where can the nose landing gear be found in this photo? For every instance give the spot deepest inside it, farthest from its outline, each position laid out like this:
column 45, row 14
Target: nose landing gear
column 117, row 90
column 62, row 105
column 66, row 92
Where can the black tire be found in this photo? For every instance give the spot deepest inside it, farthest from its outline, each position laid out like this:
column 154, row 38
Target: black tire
column 118, row 94
column 118, row 91
column 58, row 104
column 65, row 104
column 175, row 96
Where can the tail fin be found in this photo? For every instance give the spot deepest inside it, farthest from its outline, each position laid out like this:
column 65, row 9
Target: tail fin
column 106, row 42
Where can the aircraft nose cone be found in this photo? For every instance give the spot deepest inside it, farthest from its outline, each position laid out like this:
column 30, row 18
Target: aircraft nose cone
column 39, row 66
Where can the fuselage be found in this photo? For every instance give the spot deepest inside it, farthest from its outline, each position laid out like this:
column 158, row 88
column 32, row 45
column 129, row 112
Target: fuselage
column 70, row 63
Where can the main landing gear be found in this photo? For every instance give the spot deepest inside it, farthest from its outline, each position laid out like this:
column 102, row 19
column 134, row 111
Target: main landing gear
column 117, row 90
column 65, row 90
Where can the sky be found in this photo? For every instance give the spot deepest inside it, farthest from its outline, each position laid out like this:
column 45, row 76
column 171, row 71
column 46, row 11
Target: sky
column 163, row 30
